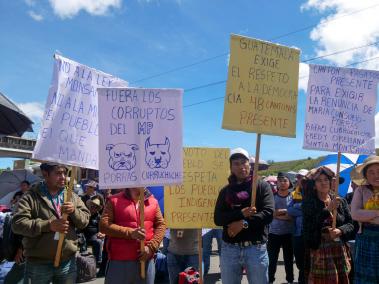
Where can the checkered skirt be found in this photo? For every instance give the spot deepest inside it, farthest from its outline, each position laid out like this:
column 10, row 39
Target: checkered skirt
column 366, row 259
column 330, row 263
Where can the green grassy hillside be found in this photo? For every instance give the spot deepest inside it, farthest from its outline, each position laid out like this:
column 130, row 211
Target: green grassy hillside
column 294, row 165
column 291, row 166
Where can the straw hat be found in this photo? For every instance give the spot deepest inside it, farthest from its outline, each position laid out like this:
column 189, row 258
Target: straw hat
column 361, row 168
column 93, row 201
column 356, row 177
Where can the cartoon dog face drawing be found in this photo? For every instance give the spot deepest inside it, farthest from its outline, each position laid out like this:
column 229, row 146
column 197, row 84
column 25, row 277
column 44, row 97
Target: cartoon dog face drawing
column 122, row 156
column 157, row 155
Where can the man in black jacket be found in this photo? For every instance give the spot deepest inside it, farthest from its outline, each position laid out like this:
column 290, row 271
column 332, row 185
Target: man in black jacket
column 245, row 228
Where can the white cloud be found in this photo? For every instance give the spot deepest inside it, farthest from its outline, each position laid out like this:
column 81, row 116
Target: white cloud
column 157, row 2
column 148, row 1
column 227, row 59
column 70, row 8
column 243, row 31
column 303, row 76
column 30, row 2
column 346, row 24
column 34, row 110
column 35, row 16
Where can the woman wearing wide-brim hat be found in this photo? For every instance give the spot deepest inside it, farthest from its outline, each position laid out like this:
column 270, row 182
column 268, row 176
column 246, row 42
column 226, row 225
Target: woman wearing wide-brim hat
column 365, row 209
column 329, row 261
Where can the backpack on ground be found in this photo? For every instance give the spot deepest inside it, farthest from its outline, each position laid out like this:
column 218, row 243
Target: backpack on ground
column 82, row 243
column 11, row 242
column 189, row 275
column 5, row 267
column 86, row 267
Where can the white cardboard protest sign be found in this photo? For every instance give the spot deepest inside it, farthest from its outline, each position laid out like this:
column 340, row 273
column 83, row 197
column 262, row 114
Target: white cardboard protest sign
column 69, row 127
column 140, row 137
column 340, row 110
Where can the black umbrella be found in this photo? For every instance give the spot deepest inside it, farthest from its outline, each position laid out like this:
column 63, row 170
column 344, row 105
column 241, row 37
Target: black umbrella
column 12, row 120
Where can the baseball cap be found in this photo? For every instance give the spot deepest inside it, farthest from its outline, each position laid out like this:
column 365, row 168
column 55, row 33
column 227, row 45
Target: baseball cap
column 239, row 151
column 49, row 165
column 91, row 183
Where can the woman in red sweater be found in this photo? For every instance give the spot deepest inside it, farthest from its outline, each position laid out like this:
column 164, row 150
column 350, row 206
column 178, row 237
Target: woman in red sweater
column 121, row 222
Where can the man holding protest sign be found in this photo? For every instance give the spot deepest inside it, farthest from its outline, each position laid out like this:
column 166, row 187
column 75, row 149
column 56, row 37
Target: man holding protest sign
column 121, row 222
column 39, row 220
column 245, row 228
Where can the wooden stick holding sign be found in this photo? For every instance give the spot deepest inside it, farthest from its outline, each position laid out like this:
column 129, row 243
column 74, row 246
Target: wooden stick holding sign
column 142, row 225
column 255, row 172
column 200, row 249
column 337, row 183
column 67, row 198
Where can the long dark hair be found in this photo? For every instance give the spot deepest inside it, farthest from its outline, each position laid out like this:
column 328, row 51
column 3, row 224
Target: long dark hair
column 309, row 185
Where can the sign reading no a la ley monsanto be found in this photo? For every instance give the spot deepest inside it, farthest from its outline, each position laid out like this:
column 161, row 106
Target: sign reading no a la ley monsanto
column 69, row 129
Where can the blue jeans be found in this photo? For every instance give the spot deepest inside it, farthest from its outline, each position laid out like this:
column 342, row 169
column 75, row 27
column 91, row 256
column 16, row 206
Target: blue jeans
column 178, row 263
column 97, row 247
column 44, row 273
column 207, row 246
column 234, row 259
column 166, row 242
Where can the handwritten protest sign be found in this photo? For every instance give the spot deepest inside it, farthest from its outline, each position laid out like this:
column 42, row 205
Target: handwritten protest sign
column 140, row 137
column 69, row 128
column 262, row 87
column 191, row 204
column 340, row 110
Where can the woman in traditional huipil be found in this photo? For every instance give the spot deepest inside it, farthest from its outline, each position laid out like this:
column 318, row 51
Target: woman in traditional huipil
column 329, row 261
column 365, row 209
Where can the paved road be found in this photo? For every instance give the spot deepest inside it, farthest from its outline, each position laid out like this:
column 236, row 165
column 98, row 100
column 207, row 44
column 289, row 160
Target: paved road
column 214, row 273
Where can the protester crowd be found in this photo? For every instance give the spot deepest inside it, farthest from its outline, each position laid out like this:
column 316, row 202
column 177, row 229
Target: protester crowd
column 314, row 227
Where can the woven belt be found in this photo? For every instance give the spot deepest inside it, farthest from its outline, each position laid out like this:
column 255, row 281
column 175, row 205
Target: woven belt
column 247, row 244
column 372, row 227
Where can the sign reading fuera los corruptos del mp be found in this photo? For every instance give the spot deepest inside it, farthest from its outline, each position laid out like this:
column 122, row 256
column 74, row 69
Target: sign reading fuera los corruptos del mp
column 140, row 137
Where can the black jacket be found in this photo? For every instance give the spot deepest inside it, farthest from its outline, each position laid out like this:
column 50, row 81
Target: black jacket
column 93, row 226
column 227, row 211
column 314, row 215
